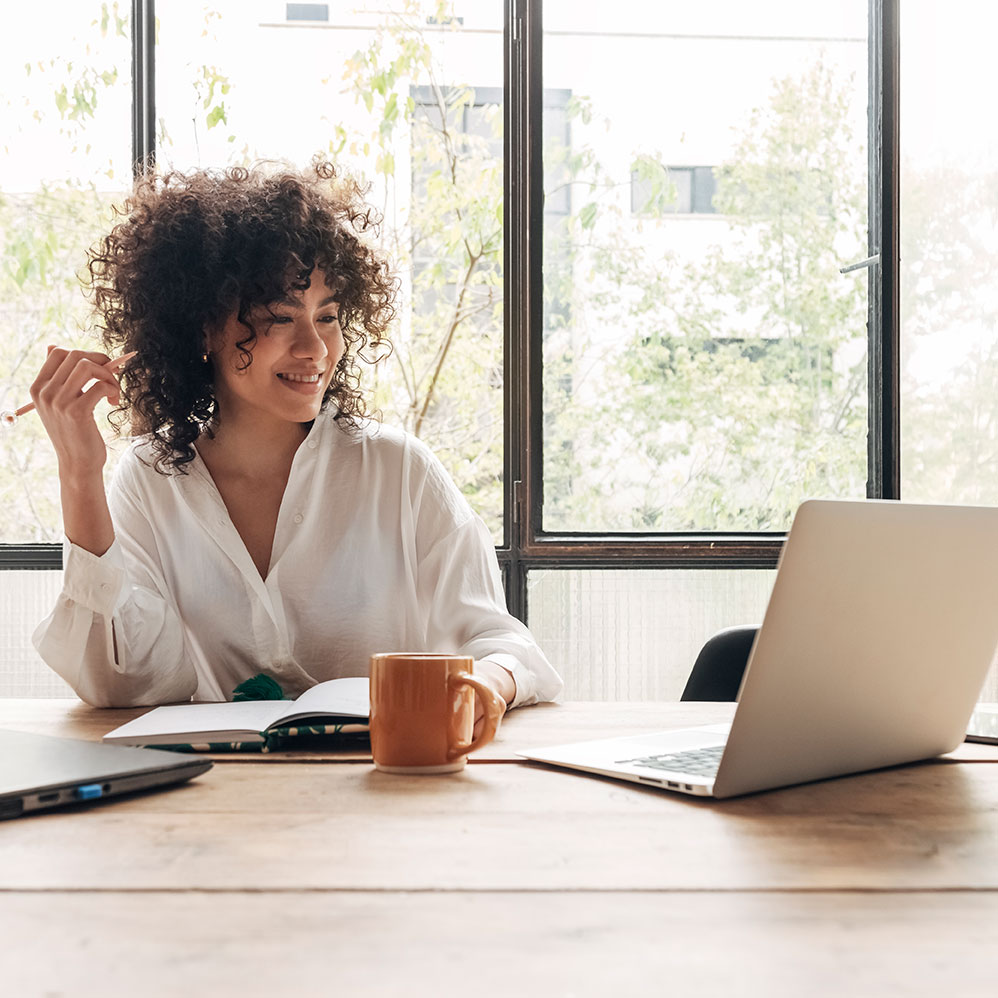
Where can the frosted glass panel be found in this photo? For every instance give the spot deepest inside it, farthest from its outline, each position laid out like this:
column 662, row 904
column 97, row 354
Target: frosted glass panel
column 25, row 599
column 634, row 635
column 613, row 635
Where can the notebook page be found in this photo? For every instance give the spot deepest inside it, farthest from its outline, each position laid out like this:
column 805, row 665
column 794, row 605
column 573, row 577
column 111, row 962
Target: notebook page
column 347, row 697
column 192, row 721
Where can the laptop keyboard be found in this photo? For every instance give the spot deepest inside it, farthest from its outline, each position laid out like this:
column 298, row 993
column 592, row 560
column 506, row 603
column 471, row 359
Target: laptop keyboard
column 701, row 761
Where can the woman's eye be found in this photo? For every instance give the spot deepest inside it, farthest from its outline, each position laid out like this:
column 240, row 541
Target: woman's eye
column 329, row 318
column 281, row 320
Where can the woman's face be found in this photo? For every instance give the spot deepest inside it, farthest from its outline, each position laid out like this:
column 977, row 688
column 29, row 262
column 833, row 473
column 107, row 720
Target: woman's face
column 298, row 345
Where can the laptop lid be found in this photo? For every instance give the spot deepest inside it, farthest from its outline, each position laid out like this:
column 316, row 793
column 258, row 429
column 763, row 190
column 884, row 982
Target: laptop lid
column 879, row 633
column 983, row 724
column 38, row 772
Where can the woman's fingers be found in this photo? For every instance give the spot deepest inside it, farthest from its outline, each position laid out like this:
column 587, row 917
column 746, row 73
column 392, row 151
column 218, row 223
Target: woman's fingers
column 82, row 374
column 96, row 392
column 78, row 363
column 62, row 385
column 61, row 361
column 66, row 391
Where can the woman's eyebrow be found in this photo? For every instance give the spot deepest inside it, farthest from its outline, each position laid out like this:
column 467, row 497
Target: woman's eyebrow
column 297, row 302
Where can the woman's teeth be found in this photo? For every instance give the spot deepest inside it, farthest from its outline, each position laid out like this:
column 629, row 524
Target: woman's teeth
column 303, row 378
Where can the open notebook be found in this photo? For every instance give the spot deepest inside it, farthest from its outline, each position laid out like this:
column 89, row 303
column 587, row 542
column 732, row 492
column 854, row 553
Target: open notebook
column 337, row 706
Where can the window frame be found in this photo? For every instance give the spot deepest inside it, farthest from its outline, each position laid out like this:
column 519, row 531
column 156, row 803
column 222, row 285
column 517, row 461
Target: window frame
column 526, row 545
column 532, row 547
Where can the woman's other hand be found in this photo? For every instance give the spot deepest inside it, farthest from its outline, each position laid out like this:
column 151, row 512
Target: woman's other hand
column 496, row 678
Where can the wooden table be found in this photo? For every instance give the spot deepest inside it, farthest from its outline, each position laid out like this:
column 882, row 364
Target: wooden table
column 273, row 875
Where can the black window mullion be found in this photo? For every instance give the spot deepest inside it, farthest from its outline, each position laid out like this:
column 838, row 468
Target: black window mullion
column 143, row 86
column 884, row 329
column 33, row 557
column 524, row 205
column 532, row 374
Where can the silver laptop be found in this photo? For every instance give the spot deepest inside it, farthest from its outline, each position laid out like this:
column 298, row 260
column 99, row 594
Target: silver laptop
column 880, row 630
column 983, row 726
column 38, row 772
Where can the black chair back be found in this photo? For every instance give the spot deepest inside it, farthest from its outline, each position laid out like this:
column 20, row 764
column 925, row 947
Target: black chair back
column 717, row 672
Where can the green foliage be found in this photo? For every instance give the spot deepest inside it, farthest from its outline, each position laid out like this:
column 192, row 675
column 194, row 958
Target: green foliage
column 443, row 381
column 949, row 264
column 734, row 384
column 111, row 17
column 652, row 175
column 209, row 84
column 44, row 236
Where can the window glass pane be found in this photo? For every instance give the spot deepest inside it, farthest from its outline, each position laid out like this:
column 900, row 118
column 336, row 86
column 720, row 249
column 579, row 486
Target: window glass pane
column 634, row 635
column 65, row 106
column 307, row 11
column 406, row 97
column 680, row 199
column 949, row 253
column 704, row 359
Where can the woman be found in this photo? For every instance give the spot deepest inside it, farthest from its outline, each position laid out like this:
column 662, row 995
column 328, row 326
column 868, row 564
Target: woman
column 260, row 524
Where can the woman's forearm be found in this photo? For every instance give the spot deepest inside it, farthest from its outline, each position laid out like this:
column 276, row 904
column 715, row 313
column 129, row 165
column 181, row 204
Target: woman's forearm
column 85, row 515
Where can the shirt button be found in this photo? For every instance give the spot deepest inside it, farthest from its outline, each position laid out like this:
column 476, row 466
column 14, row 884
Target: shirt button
column 312, row 445
column 68, row 601
column 299, row 518
column 105, row 586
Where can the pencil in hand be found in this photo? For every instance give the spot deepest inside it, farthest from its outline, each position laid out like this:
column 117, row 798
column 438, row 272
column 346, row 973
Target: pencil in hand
column 10, row 416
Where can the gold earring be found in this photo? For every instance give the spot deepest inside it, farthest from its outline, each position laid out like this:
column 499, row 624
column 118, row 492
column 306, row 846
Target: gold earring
column 204, row 357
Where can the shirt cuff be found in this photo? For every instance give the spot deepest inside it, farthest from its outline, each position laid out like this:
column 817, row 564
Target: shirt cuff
column 93, row 581
column 522, row 678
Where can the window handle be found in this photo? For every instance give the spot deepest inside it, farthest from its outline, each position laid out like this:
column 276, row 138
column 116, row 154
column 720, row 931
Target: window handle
column 870, row 261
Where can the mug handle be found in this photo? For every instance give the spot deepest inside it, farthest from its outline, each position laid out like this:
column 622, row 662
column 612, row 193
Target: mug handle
column 494, row 708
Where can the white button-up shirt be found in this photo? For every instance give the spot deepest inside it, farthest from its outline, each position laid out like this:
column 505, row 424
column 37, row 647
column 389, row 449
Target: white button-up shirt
column 375, row 550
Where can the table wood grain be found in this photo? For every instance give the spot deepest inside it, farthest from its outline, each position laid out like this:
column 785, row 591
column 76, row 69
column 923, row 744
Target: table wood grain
column 443, row 944
column 270, row 874
column 336, row 827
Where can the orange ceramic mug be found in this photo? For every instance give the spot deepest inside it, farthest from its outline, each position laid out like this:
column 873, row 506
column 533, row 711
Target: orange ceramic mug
column 423, row 712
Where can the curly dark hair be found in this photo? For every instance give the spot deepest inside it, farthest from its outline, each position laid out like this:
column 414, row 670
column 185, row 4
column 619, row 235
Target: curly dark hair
column 193, row 248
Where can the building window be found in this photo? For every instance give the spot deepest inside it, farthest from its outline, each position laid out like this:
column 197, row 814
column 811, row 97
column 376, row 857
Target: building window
column 682, row 190
column 307, row 12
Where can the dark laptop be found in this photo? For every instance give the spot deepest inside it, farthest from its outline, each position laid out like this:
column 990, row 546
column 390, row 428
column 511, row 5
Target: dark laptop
column 38, row 772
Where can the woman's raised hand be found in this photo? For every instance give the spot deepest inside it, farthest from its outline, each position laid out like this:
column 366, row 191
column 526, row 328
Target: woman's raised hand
column 66, row 405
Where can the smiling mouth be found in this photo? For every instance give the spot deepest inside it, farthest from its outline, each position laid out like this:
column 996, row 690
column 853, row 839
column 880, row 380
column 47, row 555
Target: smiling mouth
column 301, row 379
